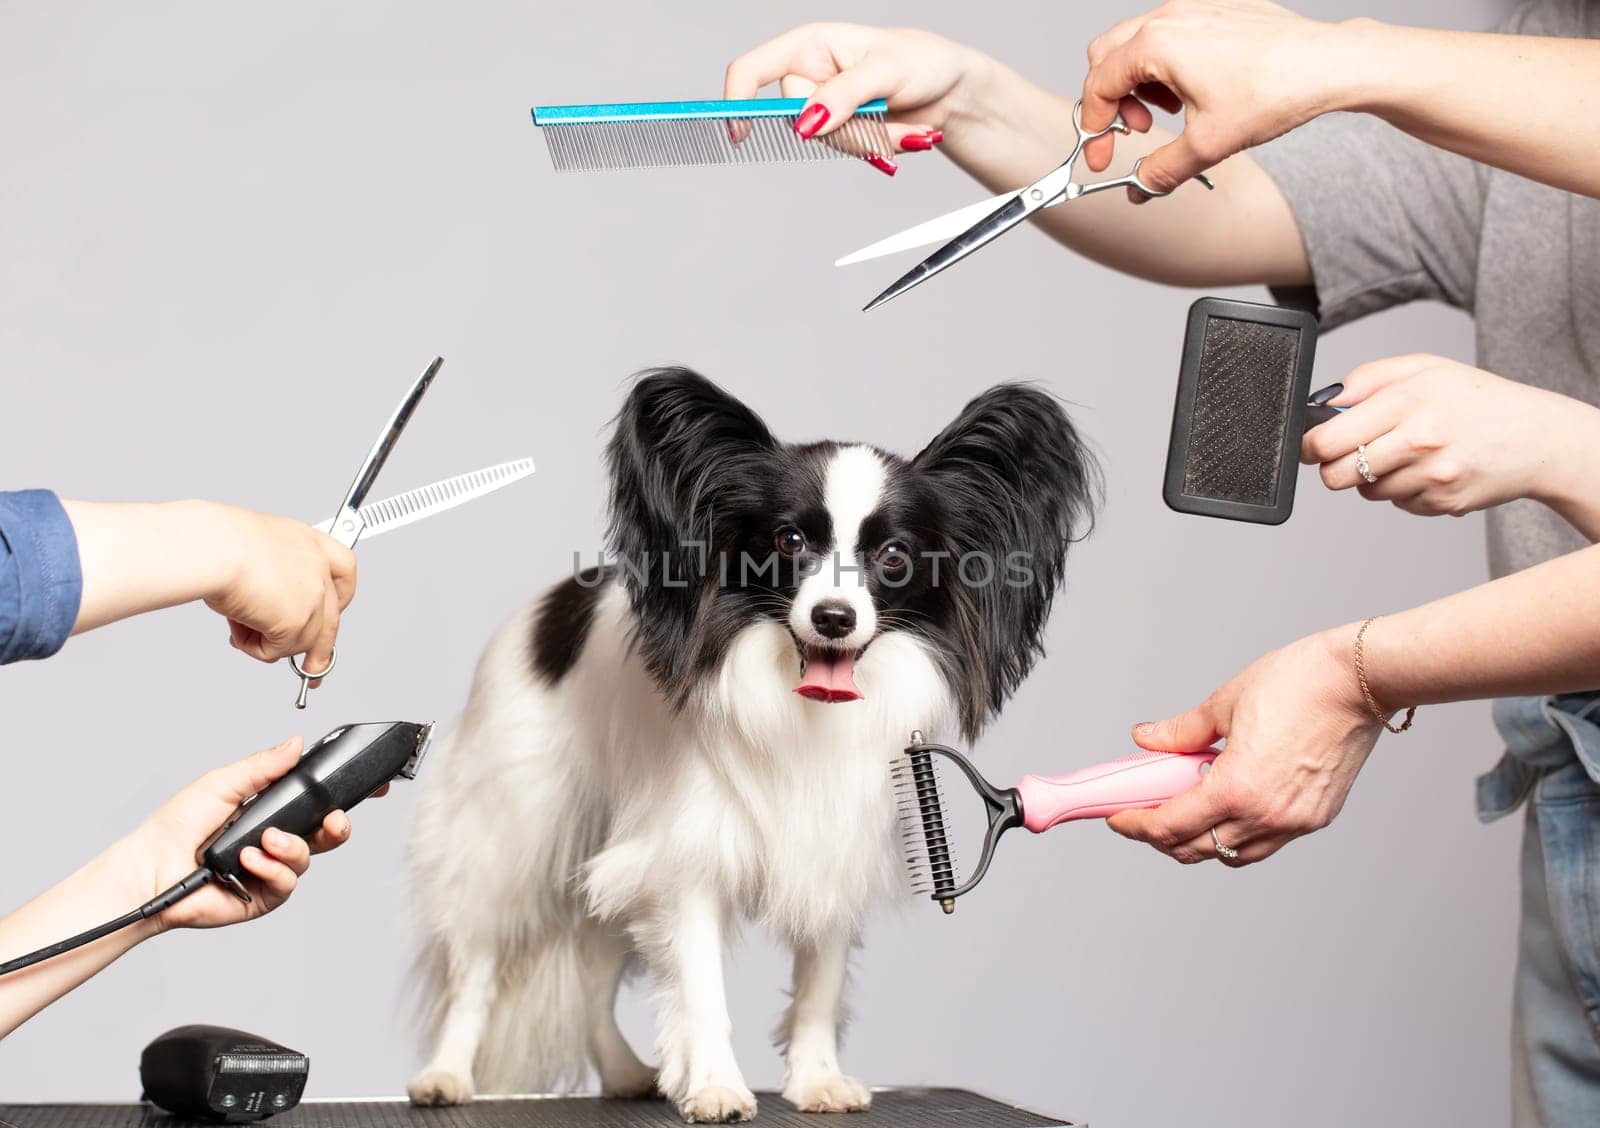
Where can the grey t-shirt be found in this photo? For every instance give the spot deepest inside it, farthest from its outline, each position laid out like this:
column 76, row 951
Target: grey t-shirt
column 1388, row 219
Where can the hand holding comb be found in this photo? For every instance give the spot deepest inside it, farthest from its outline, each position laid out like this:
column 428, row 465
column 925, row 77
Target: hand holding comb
column 1145, row 779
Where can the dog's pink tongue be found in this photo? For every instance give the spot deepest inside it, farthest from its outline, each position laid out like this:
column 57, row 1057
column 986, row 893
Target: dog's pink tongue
column 828, row 676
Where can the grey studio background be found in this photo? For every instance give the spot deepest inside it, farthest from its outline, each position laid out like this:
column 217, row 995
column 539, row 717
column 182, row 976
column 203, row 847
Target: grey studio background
column 229, row 235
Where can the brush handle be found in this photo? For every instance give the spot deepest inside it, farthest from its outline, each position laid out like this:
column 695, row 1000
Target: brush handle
column 1145, row 779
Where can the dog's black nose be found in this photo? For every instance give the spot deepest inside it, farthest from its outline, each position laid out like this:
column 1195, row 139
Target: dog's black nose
column 833, row 618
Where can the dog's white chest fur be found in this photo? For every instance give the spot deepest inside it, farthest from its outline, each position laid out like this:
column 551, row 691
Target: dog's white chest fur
column 779, row 802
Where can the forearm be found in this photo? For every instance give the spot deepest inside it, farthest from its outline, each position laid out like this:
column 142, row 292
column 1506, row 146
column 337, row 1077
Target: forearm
column 143, row 557
column 1009, row 132
column 1534, row 632
column 1469, row 92
column 98, row 892
column 1569, row 478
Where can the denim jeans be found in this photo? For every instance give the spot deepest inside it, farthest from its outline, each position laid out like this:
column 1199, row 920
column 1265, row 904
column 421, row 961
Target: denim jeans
column 1552, row 762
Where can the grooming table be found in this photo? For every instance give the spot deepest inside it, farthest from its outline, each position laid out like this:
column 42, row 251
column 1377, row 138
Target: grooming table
column 891, row 1108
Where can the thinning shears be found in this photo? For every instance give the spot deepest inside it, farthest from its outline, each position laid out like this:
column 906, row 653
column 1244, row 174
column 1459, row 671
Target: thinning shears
column 979, row 224
column 354, row 520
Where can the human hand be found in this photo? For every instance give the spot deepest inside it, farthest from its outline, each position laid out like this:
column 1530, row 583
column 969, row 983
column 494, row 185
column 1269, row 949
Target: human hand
column 837, row 67
column 163, row 851
column 1243, row 72
column 1297, row 731
column 283, row 586
column 1444, row 437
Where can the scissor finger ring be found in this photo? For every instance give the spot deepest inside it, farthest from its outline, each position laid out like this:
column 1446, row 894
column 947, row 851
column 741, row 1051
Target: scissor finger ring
column 306, row 678
column 1118, row 124
column 1133, row 178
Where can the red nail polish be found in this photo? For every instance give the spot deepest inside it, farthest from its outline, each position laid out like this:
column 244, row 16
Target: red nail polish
column 922, row 142
column 813, row 119
column 882, row 164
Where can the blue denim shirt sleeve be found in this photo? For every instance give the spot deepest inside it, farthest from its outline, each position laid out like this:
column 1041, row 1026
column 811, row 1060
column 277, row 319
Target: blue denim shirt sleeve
column 40, row 579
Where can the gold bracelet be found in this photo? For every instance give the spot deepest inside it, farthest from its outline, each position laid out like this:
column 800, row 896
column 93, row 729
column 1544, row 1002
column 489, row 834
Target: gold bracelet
column 1366, row 690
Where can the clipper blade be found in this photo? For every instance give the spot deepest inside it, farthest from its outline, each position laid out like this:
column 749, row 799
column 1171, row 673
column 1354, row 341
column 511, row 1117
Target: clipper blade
column 924, row 845
column 680, row 134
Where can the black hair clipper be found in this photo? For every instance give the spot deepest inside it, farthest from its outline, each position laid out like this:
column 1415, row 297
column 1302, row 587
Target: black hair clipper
column 226, row 1076
column 1243, row 405
column 336, row 773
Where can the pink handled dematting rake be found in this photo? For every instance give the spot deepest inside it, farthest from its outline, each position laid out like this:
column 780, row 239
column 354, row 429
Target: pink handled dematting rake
column 1145, row 779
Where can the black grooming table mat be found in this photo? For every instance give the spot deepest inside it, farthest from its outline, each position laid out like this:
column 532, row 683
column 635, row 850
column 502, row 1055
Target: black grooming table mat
column 891, row 1108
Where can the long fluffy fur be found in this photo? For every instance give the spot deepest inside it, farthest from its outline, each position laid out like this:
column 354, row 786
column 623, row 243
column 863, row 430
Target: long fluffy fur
column 634, row 772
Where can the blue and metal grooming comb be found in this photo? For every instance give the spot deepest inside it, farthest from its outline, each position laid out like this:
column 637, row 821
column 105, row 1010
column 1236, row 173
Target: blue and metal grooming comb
column 676, row 134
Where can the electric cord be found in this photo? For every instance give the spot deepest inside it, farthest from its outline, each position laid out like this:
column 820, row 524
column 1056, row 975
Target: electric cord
column 159, row 903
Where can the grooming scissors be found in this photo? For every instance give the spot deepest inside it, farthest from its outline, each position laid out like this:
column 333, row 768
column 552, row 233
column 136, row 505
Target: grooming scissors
column 355, row 520
column 979, row 224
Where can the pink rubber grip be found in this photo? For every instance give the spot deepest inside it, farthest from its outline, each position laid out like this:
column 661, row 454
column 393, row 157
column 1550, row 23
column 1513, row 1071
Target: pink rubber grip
column 1145, row 779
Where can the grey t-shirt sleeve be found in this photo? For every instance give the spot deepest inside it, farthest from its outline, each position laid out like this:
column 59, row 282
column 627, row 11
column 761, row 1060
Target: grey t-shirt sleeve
column 1385, row 218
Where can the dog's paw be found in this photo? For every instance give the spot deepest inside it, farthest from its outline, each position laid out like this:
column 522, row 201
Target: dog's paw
column 637, row 1084
column 827, row 1092
column 718, row 1104
column 439, row 1087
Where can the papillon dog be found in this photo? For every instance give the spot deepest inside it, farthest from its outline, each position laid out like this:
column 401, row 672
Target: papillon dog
column 699, row 732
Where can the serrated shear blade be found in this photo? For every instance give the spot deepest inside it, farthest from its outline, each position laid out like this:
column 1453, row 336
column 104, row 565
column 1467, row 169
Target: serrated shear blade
column 425, row 501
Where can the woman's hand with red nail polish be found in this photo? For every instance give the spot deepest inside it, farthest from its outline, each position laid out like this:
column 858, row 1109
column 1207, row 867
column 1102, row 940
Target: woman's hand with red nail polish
column 837, row 67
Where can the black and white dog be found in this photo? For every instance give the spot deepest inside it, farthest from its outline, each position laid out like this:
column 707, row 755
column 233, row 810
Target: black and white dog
column 701, row 731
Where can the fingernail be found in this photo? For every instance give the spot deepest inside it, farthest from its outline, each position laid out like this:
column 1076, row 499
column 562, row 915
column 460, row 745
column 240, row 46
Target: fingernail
column 1144, row 728
column 922, row 142
column 813, row 119
column 1323, row 395
column 882, row 164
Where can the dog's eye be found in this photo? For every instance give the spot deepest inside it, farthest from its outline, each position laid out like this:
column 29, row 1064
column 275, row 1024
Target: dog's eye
column 790, row 541
column 893, row 559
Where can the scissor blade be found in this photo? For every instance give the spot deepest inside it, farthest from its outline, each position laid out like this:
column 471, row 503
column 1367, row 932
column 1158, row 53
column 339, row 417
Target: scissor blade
column 387, row 437
column 415, row 505
column 938, row 230
column 980, row 234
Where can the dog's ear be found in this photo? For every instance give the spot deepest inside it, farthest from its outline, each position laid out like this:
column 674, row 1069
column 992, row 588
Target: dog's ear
column 681, row 449
column 1017, row 485
column 686, row 460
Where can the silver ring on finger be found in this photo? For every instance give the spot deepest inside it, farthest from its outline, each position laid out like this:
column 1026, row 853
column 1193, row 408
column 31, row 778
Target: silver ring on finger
column 1226, row 852
column 1363, row 467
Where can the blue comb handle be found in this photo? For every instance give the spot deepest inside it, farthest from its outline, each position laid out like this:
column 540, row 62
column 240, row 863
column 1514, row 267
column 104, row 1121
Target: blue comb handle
column 681, row 111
